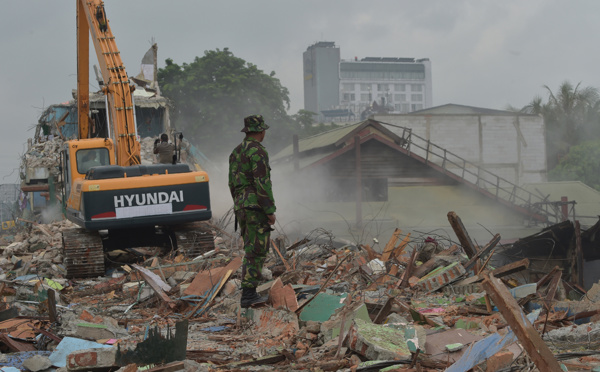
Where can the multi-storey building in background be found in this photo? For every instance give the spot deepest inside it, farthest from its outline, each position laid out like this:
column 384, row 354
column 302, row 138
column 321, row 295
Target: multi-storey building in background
column 339, row 89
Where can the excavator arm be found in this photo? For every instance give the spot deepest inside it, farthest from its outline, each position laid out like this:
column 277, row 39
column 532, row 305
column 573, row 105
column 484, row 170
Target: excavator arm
column 91, row 20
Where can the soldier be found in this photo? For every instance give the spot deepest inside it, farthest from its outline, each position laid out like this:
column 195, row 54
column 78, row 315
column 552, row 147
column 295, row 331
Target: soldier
column 253, row 203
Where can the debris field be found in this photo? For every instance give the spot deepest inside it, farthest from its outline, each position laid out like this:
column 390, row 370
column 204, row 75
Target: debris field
column 417, row 303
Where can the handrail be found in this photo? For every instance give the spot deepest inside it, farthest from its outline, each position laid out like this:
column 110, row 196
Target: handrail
column 484, row 180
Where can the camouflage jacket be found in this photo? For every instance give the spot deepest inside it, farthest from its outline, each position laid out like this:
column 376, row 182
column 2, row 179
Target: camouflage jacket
column 250, row 177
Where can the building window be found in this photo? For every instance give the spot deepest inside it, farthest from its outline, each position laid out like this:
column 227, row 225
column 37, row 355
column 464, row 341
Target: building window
column 348, row 97
column 416, row 87
column 364, row 97
column 365, row 87
column 416, row 97
column 400, row 97
column 382, row 87
column 400, row 87
column 416, row 107
column 348, row 87
column 405, row 107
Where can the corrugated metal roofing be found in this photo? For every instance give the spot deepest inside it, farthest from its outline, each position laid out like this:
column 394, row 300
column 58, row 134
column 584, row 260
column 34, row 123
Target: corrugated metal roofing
column 587, row 207
column 320, row 140
column 454, row 109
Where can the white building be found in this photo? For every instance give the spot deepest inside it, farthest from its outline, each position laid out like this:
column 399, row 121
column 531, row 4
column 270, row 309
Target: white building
column 506, row 144
column 396, row 85
column 339, row 89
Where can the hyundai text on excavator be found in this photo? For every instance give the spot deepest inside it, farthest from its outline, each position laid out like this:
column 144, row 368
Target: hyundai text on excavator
column 117, row 202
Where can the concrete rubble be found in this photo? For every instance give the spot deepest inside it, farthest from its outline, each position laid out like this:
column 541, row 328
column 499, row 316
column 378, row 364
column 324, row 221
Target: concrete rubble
column 419, row 303
column 45, row 154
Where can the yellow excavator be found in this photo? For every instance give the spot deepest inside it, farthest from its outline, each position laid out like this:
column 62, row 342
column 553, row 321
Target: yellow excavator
column 117, row 202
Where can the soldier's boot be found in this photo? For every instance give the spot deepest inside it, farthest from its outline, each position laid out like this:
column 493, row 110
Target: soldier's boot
column 250, row 297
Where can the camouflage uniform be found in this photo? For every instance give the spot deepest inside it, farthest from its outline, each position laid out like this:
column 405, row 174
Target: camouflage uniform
column 250, row 187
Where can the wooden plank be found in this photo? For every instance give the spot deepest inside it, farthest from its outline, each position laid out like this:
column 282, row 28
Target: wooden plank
column 403, row 244
column 529, row 338
column 552, row 287
column 507, row 269
column 287, row 266
column 385, row 311
column 409, row 270
column 391, row 244
column 371, row 254
column 157, row 284
column 546, row 278
column 482, row 350
column 434, row 262
column 578, row 254
column 511, row 268
column 52, row 306
column 203, row 305
column 481, row 253
column 462, row 234
column 205, row 280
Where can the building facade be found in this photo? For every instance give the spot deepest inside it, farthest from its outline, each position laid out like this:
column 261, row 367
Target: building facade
column 505, row 144
column 390, row 85
column 339, row 89
column 321, row 63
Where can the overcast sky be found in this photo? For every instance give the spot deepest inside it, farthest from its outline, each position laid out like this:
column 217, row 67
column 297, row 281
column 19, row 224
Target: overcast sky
column 484, row 53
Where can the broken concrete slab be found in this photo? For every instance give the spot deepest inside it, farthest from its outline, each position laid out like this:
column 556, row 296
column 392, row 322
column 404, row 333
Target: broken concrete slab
column 441, row 277
column 70, row 345
column 37, row 363
column 275, row 322
column 90, row 331
column 14, row 361
column 377, row 342
column 322, row 307
column 523, row 291
column 331, row 328
column 90, row 359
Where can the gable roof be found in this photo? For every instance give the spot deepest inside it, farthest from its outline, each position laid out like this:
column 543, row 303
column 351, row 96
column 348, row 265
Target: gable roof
column 454, row 109
column 330, row 144
column 317, row 150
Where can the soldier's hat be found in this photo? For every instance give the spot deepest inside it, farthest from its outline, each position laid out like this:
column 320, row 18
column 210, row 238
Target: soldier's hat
column 254, row 123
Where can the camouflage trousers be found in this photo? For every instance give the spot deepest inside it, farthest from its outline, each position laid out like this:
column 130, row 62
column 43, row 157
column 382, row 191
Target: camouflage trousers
column 256, row 233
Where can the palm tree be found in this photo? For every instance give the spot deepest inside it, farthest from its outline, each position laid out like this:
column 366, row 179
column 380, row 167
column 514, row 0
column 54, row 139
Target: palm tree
column 535, row 107
column 569, row 109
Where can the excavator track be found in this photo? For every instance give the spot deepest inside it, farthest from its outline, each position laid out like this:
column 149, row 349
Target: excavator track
column 84, row 253
column 194, row 239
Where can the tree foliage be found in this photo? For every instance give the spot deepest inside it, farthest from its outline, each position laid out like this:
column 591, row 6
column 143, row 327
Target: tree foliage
column 571, row 114
column 582, row 163
column 212, row 95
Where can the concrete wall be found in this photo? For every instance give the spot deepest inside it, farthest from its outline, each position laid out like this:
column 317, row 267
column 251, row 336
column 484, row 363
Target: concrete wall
column 511, row 147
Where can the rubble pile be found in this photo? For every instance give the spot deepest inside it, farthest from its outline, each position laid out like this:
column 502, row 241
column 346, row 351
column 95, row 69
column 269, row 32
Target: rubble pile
column 418, row 303
column 44, row 154
column 148, row 156
column 147, row 150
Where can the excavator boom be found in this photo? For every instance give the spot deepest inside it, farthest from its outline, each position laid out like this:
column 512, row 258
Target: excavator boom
column 91, row 20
